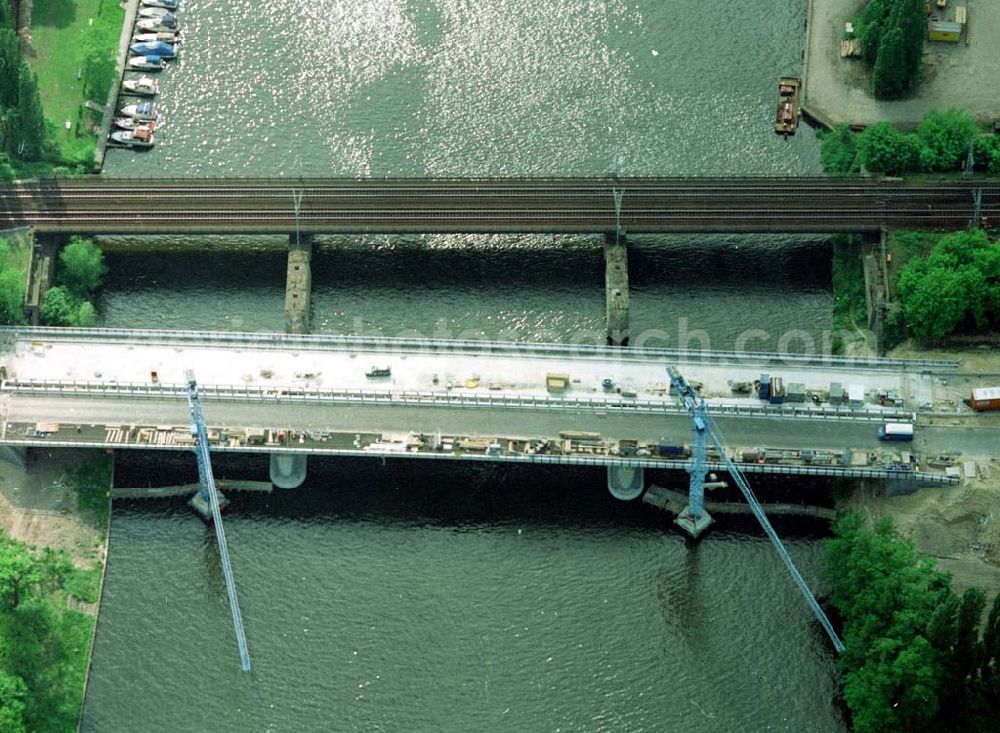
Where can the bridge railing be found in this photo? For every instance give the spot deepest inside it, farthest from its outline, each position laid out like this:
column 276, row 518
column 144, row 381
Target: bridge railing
column 393, row 345
column 486, row 400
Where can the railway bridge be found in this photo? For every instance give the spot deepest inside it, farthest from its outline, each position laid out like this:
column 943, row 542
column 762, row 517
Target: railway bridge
column 515, row 205
column 615, row 207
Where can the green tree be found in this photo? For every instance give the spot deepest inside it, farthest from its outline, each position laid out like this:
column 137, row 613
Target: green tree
column 912, row 23
column 958, row 281
column 838, row 150
column 13, row 693
column 82, row 266
column 891, row 602
column 7, row 19
column 59, row 307
column 896, row 690
column 936, row 299
column 884, row 149
column 86, row 316
column 26, row 121
column 19, row 573
column 97, row 63
column 889, row 74
column 10, row 65
column 11, row 296
column 871, row 24
column 989, row 666
column 892, row 39
column 947, row 137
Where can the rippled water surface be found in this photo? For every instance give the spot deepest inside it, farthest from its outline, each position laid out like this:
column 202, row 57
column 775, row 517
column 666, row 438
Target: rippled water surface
column 434, row 599
column 430, row 598
column 494, row 87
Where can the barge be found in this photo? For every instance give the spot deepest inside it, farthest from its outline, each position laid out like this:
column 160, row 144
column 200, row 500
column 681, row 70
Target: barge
column 787, row 117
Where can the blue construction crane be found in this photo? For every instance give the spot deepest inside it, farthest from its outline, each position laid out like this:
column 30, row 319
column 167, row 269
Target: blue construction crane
column 210, row 495
column 694, row 518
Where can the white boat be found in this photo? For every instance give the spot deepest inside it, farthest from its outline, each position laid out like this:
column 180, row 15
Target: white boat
column 140, row 111
column 145, row 63
column 167, row 4
column 163, row 36
column 156, row 25
column 154, row 12
column 143, row 87
column 133, row 138
column 131, row 123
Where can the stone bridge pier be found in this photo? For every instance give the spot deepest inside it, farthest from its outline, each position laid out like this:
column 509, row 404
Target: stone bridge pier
column 298, row 284
column 616, row 290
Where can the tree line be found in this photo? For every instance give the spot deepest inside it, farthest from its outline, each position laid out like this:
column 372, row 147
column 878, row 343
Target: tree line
column 940, row 144
column 21, row 115
column 918, row 657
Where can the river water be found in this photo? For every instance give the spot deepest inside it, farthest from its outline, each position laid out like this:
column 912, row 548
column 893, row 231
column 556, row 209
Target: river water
column 411, row 597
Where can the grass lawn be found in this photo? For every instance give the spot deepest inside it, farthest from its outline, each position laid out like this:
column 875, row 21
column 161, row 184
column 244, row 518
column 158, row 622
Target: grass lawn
column 16, row 253
column 57, row 29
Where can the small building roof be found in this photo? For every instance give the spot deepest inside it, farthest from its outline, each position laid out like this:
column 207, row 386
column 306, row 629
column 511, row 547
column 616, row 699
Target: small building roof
column 944, row 26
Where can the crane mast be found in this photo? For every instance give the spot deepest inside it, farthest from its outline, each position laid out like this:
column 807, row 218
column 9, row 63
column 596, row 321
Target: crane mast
column 694, row 519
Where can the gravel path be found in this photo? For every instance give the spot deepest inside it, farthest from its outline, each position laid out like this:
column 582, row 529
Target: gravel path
column 955, row 74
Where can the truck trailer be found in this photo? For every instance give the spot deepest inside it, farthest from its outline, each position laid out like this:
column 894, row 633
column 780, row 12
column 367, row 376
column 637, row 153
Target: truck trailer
column 985, row 398
column 902, row 431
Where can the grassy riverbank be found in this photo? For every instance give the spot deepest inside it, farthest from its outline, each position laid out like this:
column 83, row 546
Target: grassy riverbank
column 53, row 540
column 15, row 254
column 850, row 312
column 57, row 37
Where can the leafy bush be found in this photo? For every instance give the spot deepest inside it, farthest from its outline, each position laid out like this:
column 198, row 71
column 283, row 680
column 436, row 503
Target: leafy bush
column 81, row 267
column 958, row 282
column 838, row 150
column 946, row 135
column 885, row 149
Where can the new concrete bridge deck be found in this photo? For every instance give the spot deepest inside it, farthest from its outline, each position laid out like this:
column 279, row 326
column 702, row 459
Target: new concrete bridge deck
column 386, row 206
column 99, row 378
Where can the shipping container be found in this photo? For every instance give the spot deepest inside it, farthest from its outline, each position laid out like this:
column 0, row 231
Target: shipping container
column 836, row 393
column 669, row 449
column 556, row 382
column 795, row 392
column 985, row 398
column 777, row 391
column 855, row 395
column 765, row 387
column 896, row 431
column 944, row 30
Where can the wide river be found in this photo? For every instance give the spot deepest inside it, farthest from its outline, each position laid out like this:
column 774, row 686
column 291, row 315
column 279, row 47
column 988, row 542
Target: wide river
column 422, row 598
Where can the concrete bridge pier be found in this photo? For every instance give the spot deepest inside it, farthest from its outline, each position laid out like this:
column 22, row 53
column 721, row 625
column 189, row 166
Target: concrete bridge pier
column 288, row 470
column 298, row 284
column 616, row 290
column 876, row 289
column 626, row 482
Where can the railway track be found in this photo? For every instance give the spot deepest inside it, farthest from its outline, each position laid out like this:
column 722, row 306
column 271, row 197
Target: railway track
column 494, row 205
